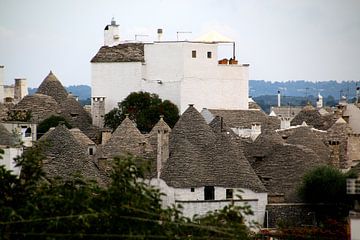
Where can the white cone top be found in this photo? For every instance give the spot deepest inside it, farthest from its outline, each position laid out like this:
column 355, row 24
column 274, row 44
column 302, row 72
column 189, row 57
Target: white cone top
column 213, row 37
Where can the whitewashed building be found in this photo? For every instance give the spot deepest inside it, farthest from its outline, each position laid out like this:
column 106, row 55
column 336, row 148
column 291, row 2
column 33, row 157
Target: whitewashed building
column 9, row 143
column 12, row 93
column 185, row 72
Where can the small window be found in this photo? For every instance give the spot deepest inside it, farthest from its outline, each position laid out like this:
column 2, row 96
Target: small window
column 209, row 193
column 229, row 193
column 193, row 54
column 91, row 151
column 192, row 189
column 28, row 132
column 209, row 54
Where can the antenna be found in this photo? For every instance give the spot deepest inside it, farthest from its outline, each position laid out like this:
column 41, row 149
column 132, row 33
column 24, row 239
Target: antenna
column 181, row 32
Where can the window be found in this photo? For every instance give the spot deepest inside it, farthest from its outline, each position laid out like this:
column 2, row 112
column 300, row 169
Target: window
column 91, row 151
column 28, row 132
column 209, row 193
column 209, row 54
column 192, row 189
column 193, row 53
column 229, row 193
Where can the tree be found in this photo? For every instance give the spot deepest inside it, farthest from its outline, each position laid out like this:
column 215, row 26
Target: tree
column 145, row 109
column 32, row 207
column 326, row 185
column 50, row 122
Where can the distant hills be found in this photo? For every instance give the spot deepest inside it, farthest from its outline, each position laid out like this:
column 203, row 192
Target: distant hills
column 304, row 88
column 293, row 93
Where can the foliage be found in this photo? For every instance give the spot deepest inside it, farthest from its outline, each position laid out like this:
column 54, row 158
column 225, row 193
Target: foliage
column 326, row 185
column 19, row 115
column 32, row 207
column 145, row 109
column 50, row 122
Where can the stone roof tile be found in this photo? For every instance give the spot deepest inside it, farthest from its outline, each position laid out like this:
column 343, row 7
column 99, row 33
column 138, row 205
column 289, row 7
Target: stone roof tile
column 51, row 86
column 201, row 157
column 65, row 156
column 125, row 52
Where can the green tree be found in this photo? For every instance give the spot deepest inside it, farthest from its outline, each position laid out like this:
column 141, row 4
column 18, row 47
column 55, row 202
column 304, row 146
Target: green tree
column 33, row 207
column 327, row 185
column 145, row 109
column 50, row 122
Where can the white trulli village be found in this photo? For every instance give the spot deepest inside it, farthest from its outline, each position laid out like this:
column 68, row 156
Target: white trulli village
column 222, row 147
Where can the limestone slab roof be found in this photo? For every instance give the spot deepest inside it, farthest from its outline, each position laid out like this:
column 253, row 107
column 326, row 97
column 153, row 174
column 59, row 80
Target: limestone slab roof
column 305, row 136
column 6, row 138
column 51, row 86
column 81, row 137
column 286, row 111
column 65, row 156
column 41, row 106
column 282, row 170
column 264, row 143
column 201, row 157
column 126, row 139
column 312, row 117
column 4, row 108
column 244, row 118
column 125, row 52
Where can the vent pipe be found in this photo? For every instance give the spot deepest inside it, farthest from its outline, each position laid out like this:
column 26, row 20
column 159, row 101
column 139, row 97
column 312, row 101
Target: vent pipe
column 159, row 32
column 279, row 97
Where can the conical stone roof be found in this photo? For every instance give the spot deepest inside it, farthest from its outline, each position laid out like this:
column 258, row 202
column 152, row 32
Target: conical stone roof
column 200, row 157
column 306, row 137
column 66, row 157
column 282, row 170
column 312, row 117
column 263, row 144
column 51, row 86
column 126, row 139
column 41, row 106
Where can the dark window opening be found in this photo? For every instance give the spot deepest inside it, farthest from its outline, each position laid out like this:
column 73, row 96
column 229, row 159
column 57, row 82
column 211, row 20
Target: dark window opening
column 209, row 54
column 28, row 132
column 192, row 189
column 193, row 54
column 258, row 158
column 229, row 193
column 91, row 151
column 209, row 193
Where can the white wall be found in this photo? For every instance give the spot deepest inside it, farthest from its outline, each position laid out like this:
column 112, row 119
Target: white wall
column 355, row 228
column 20, row 128
column 194, row 203
column 8, row 159
column 170, row 71
column 115, row 81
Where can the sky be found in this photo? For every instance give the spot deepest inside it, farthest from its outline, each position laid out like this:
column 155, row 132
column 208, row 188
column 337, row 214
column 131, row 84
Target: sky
column 282, row 40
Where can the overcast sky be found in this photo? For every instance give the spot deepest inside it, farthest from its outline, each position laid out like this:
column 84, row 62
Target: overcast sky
column 281, row 39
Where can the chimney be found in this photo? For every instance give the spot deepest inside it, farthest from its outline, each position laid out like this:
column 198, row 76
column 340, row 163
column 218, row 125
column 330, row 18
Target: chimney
column 98, row 111
column 163, row 134
column 105, row 136
column 159, row 32
column 21, row 89
column 279, row 100
column 111, row 34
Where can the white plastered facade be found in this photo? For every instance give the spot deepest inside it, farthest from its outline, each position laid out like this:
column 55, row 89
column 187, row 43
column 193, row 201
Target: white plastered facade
column 193, row 202
column 170, row 70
